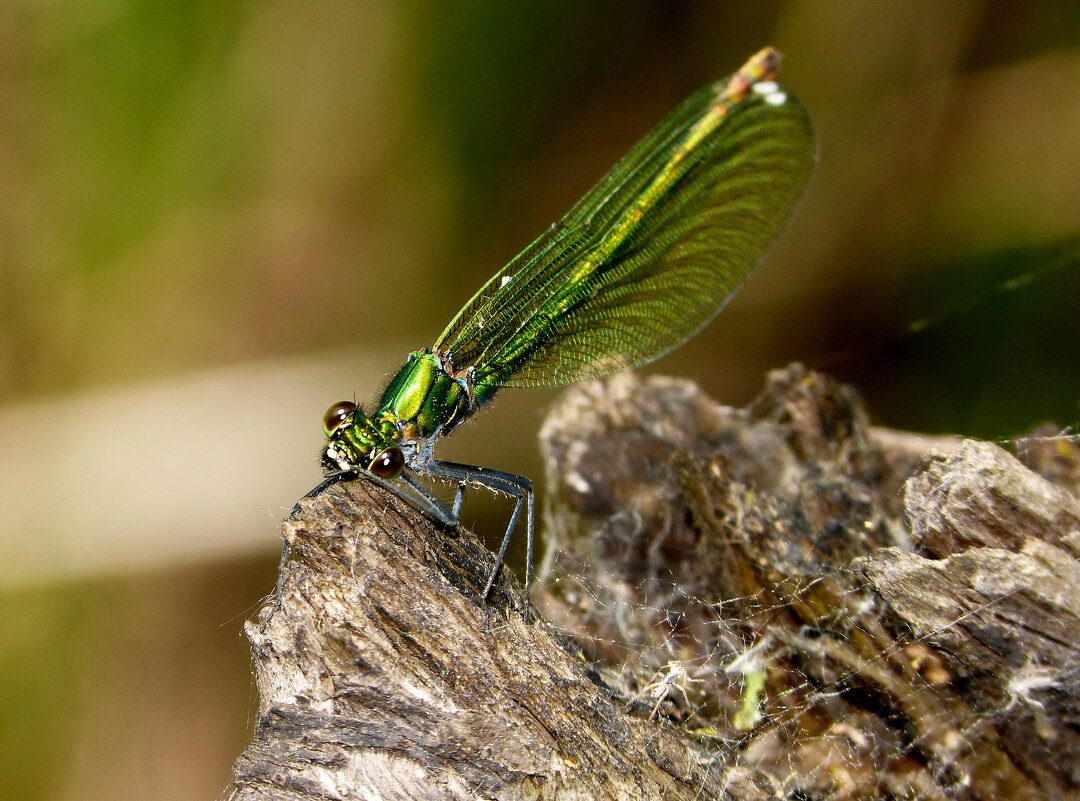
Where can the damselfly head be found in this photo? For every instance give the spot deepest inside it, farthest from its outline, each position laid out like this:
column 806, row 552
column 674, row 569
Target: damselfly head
column 359, row 442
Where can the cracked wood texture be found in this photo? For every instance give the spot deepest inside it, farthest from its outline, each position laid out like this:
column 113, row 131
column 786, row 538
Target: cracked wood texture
column 772, row 602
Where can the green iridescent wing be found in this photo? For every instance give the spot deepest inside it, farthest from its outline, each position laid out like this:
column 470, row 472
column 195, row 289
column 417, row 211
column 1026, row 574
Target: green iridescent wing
column 653, row 251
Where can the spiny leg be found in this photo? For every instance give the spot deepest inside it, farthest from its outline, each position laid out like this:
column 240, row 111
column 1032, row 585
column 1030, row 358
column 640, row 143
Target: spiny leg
column 419, row 496
column 329, row 480
column 525, row 485
column 429, row 503
column 517, row 487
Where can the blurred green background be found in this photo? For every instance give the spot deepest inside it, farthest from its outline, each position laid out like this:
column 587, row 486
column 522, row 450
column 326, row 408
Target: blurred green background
column 219, row 217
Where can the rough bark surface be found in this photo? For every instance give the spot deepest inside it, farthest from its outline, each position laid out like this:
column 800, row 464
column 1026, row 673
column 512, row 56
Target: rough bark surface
column 779, row 601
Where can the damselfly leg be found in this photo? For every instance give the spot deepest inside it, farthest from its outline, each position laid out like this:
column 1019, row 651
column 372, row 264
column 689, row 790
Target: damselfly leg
column 409, row 489
column 517, row 487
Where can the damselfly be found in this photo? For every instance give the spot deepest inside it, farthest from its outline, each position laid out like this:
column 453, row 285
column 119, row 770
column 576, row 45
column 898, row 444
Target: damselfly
column 640, row 264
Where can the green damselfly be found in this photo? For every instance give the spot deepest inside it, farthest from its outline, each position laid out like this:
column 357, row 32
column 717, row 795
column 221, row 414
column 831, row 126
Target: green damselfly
column 640, row 264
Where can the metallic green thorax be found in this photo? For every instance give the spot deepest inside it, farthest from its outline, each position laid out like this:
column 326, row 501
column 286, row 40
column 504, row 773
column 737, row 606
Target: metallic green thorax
column 426, row 397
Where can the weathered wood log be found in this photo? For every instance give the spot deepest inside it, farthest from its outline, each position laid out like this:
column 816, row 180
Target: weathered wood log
column 734, row 604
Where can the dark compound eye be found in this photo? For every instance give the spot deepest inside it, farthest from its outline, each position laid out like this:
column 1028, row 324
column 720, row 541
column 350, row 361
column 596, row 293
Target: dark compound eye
column 336, row 415
column 388, row 464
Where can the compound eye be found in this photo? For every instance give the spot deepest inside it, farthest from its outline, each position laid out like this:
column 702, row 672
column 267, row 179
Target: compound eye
column 336, row 415
column 388, row 464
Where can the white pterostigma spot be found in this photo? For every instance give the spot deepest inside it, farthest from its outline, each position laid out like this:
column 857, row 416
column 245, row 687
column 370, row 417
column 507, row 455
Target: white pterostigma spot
column 506, row 279
column 771, row 92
